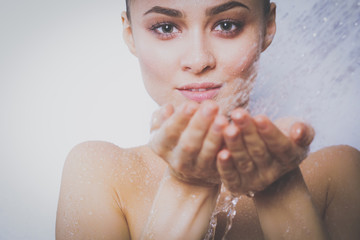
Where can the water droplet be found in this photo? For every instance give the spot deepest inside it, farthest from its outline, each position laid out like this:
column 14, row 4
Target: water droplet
column 90, row 213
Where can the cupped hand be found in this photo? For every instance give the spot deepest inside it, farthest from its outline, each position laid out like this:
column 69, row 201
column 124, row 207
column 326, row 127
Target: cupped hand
column 189, row 139
column 257, row 152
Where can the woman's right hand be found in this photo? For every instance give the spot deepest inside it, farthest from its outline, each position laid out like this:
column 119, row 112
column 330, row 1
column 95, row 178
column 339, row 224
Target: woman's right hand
column 189, row 139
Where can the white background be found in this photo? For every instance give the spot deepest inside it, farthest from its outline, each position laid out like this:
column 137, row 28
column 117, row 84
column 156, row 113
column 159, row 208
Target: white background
column 67, row 77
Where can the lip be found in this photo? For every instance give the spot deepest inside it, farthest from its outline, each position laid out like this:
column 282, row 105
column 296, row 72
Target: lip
column 200, row 91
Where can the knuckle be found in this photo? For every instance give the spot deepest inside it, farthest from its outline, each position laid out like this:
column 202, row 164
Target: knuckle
column 170, row 135
column 287, row 148
column 208, row 148
column 258, row 152
column 245, row 167
column 180, row 167
column 189, row 148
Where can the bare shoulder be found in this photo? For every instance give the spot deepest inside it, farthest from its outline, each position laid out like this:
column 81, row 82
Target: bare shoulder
column 332, row 166
column 104, row 162
column 340, row 161
column 90, row 203
column 333, row 178
column 92, row 155
column 100, row 158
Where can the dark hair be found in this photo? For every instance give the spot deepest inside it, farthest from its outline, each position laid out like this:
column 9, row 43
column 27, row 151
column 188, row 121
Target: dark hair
column 127, row 9
column 266, row 7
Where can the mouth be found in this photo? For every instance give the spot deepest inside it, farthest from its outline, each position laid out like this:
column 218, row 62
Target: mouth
column 200, row 91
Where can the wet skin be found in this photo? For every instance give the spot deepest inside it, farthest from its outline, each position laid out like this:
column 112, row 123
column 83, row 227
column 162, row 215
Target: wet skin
column 173, row 182
column 256, row 152
column 119, row 187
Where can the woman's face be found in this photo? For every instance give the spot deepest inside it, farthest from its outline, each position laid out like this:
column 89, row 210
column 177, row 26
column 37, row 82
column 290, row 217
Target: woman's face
column 199, row 49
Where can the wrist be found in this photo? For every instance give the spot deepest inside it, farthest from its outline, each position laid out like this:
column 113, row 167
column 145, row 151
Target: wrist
column 286, row 210
column 288, row 186
column 191, row 205
column 194, row 182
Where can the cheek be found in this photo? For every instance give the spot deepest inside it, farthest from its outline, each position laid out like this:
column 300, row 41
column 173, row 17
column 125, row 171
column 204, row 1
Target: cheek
column 239, row 65
column 239, row 57
column 157, row 59
column 156, row 63
column 241, row 61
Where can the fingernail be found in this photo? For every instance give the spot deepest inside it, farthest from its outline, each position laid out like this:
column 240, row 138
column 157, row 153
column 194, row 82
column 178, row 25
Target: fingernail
column 231, row 132
column 219, row 124
column 260, row 122
column 299, row 133
column 224, row 155
column 239, row 118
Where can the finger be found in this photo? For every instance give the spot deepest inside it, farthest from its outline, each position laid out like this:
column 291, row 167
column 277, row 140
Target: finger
column 165, row 138
column 284, row 124
column 160, row 116
column 277, row 143
column 302, row 134
column 228, row 172
column 212, row 144
column 191, row 141
column 255, row 145
column 234, row 143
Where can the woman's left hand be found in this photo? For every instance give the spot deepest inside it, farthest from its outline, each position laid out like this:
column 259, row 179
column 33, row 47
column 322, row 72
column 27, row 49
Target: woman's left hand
column 258, row 153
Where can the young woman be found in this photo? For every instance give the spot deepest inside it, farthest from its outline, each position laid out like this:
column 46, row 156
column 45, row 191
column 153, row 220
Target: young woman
column 198, row 61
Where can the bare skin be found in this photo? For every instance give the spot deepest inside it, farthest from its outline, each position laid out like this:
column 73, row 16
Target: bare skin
column 168, row 188
column 108, row 193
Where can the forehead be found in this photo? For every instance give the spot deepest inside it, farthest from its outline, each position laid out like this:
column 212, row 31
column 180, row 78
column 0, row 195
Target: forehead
column 140, row 7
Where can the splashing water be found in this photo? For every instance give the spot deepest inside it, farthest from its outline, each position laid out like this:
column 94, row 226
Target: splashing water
column 226, row 203
column 311, row 69
column 310, row 72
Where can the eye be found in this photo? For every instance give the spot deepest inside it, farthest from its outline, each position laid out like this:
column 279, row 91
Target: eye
column 228, row 27
column 165, row 30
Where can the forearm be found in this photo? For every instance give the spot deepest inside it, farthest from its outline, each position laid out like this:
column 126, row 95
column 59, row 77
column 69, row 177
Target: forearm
column 286, row 210
column 180, row 210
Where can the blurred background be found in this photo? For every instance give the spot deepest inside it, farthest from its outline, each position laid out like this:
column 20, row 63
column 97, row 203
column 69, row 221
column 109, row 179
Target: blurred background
column 67, row 77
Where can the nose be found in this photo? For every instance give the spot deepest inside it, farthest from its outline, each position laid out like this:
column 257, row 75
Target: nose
column 198, row 56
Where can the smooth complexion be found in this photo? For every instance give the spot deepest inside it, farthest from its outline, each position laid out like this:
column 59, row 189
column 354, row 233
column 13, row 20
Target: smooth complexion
column 173, row 182
column 206, row 52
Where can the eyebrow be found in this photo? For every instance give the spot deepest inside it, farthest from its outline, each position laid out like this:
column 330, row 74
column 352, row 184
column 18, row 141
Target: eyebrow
column 210, row 12
column 165, row 11
column 224, row 7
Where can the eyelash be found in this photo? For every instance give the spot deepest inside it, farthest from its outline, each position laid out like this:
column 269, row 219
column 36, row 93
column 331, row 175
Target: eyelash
column 158, row 29
column 238, row 25
column 155, row 29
